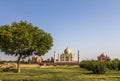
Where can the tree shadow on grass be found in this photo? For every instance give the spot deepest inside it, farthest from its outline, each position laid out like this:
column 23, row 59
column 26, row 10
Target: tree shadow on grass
column 9, row 70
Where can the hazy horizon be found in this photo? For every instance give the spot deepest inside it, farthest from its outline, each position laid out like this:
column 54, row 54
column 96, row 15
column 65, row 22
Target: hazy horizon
column 91, row 26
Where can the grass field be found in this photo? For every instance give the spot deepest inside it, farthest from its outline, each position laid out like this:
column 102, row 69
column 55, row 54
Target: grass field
column 66, row 73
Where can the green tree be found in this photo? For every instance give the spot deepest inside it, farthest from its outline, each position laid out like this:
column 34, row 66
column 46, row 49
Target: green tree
column 22, row 39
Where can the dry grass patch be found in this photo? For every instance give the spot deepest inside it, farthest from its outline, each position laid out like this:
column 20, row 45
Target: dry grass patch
column 29, row 65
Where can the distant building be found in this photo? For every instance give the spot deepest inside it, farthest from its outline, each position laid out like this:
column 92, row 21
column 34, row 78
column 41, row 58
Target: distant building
column 103, row 58
column 67, row 56
column 35, row 59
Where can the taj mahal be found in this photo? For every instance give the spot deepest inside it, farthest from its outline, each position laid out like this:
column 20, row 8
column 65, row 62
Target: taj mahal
column 67, row 56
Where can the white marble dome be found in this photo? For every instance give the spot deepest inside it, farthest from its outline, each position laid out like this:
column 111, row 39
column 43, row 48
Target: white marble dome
column 67, row 51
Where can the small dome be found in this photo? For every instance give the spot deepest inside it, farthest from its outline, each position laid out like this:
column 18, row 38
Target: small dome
column 67, row 51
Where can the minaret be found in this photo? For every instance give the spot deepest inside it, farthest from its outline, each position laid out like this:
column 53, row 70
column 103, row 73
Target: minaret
column 58, row 57
column 54, row 57
column 78, row 56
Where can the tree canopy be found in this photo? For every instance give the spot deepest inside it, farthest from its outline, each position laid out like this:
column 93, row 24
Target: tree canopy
column 22, row 39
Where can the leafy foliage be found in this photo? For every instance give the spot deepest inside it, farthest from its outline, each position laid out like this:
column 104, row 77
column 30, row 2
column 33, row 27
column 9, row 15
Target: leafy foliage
column 113, row 65
column 100, row 67
column 95, row 66
column 22, row 39
column 119, row 66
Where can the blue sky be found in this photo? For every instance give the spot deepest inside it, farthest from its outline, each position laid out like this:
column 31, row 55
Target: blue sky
column 91, row 26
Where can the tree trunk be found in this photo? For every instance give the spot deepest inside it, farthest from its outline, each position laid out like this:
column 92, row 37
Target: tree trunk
column 18, row 63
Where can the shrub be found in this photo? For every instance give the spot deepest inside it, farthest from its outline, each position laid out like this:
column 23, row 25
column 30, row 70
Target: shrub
column 85, row 64
column 119, row 66
column 98, row 67
column 113, row 65
column 6, row 69
column 94, row 66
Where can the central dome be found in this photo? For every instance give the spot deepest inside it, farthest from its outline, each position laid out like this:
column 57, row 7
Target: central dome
column 67, row 51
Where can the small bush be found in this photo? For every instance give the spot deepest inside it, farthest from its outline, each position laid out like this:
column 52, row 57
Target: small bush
column 6, row 69
column 119, row 66
column 85, row 64
column 94, row 66
column 98, row 67
column 113, row 65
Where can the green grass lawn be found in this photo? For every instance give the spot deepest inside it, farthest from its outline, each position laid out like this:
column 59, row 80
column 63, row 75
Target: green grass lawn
column 67, row 73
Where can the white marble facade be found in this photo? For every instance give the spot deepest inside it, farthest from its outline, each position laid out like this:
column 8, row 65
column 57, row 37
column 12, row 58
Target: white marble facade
column 67, row 55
